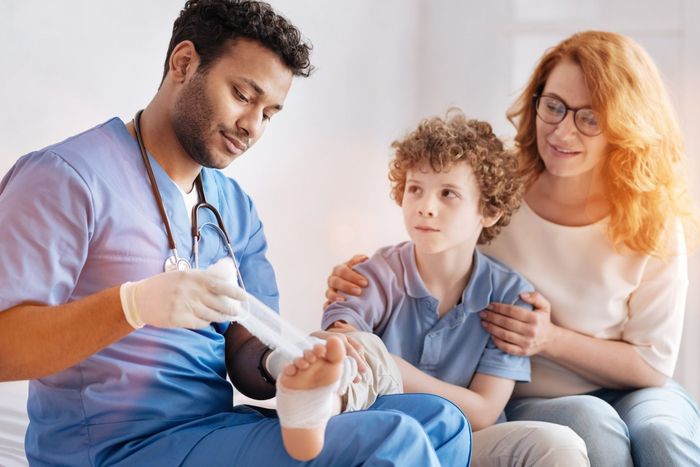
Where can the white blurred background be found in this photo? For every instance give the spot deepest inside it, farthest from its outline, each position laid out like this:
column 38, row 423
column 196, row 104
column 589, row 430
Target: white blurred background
column 318, row 176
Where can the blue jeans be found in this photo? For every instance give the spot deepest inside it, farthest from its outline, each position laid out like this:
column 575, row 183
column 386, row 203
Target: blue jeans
column 398, row 430
column 646, row 427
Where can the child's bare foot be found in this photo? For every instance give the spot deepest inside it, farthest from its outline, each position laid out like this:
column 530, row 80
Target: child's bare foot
column 307, row 398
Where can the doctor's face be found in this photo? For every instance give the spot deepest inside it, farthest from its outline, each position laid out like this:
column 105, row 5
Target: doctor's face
column 222, row 111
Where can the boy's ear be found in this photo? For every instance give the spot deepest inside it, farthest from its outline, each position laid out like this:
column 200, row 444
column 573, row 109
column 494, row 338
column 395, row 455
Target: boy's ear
column 490, row 216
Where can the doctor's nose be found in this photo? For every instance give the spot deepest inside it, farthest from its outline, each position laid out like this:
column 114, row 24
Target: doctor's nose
column 251, row 127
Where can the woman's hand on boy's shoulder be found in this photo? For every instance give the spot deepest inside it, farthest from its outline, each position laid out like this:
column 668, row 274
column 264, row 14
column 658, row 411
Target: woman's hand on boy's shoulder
column 345, row 280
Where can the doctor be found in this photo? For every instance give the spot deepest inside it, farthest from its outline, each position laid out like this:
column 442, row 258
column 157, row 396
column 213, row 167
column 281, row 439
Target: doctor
column 128, row 363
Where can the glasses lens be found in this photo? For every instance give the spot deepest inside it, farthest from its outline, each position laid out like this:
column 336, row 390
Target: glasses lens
column 587, row 122
column 551, row 109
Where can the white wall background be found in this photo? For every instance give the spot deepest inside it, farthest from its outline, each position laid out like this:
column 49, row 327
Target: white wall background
column 319, row 174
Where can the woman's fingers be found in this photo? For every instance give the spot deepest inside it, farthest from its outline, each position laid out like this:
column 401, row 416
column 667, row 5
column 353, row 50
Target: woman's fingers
column 511, row 311
column 536, row 300
column 349, row 281
column 508, row 348
column 355, row 260
column 505, row 333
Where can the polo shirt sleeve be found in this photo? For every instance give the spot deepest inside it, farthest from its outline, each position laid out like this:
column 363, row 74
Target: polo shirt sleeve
column 46, row 222
column 496, row 362
column 368, row 311
column 657, row 306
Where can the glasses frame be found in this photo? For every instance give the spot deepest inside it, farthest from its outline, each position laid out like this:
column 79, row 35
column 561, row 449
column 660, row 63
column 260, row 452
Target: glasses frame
column 536, row 102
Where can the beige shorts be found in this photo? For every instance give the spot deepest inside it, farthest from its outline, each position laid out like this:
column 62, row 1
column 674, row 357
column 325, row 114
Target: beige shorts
column 382, row 378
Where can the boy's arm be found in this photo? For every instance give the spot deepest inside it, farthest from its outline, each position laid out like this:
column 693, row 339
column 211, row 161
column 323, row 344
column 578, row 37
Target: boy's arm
column 482, row 402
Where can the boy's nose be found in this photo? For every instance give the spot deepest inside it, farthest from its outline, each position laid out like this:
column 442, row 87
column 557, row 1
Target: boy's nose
column 426, row 211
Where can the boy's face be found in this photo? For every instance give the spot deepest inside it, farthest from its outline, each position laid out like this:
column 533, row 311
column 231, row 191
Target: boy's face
column 441, row 210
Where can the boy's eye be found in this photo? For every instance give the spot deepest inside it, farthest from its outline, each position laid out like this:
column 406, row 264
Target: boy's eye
column 449, row 194
column 412, row 189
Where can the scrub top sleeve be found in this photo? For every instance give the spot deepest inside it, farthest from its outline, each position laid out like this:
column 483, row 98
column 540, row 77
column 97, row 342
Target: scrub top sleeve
column 46, row 222
column 657, row 307
column 257, row 272
column 366, row 311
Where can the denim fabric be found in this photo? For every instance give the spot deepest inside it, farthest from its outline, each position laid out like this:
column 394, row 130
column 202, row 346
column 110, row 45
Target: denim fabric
column 645, row 427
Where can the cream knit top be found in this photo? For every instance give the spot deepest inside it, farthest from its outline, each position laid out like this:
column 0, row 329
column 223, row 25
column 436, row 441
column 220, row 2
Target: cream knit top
column 596, row 291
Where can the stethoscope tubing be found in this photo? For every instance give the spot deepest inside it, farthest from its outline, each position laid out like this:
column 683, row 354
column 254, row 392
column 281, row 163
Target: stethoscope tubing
column 174, row 262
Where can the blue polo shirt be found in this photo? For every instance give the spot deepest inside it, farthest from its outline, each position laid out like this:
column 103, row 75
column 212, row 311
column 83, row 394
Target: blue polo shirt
column 399, row 308
column 79, row 217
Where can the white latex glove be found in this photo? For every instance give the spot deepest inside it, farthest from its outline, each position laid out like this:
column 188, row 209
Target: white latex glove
column 181, row 299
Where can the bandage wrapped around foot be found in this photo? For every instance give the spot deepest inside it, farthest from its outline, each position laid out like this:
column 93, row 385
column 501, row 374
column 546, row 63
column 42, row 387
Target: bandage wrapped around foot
column 181, row 299
column 276, row 361
column 286, row 341
column 305, row 408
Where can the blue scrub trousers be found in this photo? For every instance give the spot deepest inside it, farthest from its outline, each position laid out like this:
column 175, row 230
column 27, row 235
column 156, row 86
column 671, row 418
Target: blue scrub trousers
column 650, row 427
column 398, row 430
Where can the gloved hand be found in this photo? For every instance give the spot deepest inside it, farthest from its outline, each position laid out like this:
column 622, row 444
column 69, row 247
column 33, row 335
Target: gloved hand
column 181, row 299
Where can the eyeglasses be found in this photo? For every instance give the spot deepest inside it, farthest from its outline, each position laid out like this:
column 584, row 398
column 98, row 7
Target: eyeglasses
column 553, row 110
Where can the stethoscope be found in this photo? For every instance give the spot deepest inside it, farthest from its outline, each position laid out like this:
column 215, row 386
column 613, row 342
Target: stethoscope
column 174, row 262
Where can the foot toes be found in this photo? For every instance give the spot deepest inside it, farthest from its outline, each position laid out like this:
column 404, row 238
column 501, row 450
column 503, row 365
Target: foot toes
column 335, row 350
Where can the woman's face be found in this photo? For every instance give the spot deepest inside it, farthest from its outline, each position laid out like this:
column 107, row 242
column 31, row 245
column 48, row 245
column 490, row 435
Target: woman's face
column 564, row 149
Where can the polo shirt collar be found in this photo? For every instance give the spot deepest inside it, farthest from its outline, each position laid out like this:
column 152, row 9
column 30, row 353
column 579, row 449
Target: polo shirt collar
column 477, row 293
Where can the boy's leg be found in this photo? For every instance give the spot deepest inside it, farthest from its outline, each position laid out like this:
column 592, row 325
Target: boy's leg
column 528, row 444
column 382, row 378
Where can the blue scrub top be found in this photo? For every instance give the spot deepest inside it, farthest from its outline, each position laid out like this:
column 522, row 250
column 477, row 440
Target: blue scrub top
column 399, row 308
column 79, row 217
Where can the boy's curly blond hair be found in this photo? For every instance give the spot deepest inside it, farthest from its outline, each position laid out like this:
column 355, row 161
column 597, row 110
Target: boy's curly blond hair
column 441, row 143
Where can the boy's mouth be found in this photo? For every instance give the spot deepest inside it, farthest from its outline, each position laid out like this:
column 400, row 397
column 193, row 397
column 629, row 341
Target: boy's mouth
column 426, row 228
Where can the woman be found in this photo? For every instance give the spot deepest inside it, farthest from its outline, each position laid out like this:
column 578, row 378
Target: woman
column 602, row 236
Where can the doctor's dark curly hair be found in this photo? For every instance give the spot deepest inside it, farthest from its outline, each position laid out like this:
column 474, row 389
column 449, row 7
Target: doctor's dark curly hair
column 440, row 143
column 212, row 24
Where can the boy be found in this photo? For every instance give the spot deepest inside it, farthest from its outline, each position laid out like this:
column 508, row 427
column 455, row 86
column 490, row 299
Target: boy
column 457, row 187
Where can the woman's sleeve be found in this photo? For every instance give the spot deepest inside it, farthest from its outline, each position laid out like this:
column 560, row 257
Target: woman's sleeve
column 657, row 307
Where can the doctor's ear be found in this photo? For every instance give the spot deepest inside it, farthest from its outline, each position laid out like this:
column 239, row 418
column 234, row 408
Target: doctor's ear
column 183, row 61
column 490, row 215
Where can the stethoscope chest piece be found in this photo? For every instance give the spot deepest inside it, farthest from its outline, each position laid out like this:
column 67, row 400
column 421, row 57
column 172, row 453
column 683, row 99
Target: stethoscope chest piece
column 173, row 263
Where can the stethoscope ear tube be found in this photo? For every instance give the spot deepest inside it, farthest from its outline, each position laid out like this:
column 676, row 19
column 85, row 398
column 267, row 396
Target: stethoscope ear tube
column 154, row 184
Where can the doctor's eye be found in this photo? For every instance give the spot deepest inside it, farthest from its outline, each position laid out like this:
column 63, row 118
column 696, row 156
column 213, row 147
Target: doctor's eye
column 239, row 95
